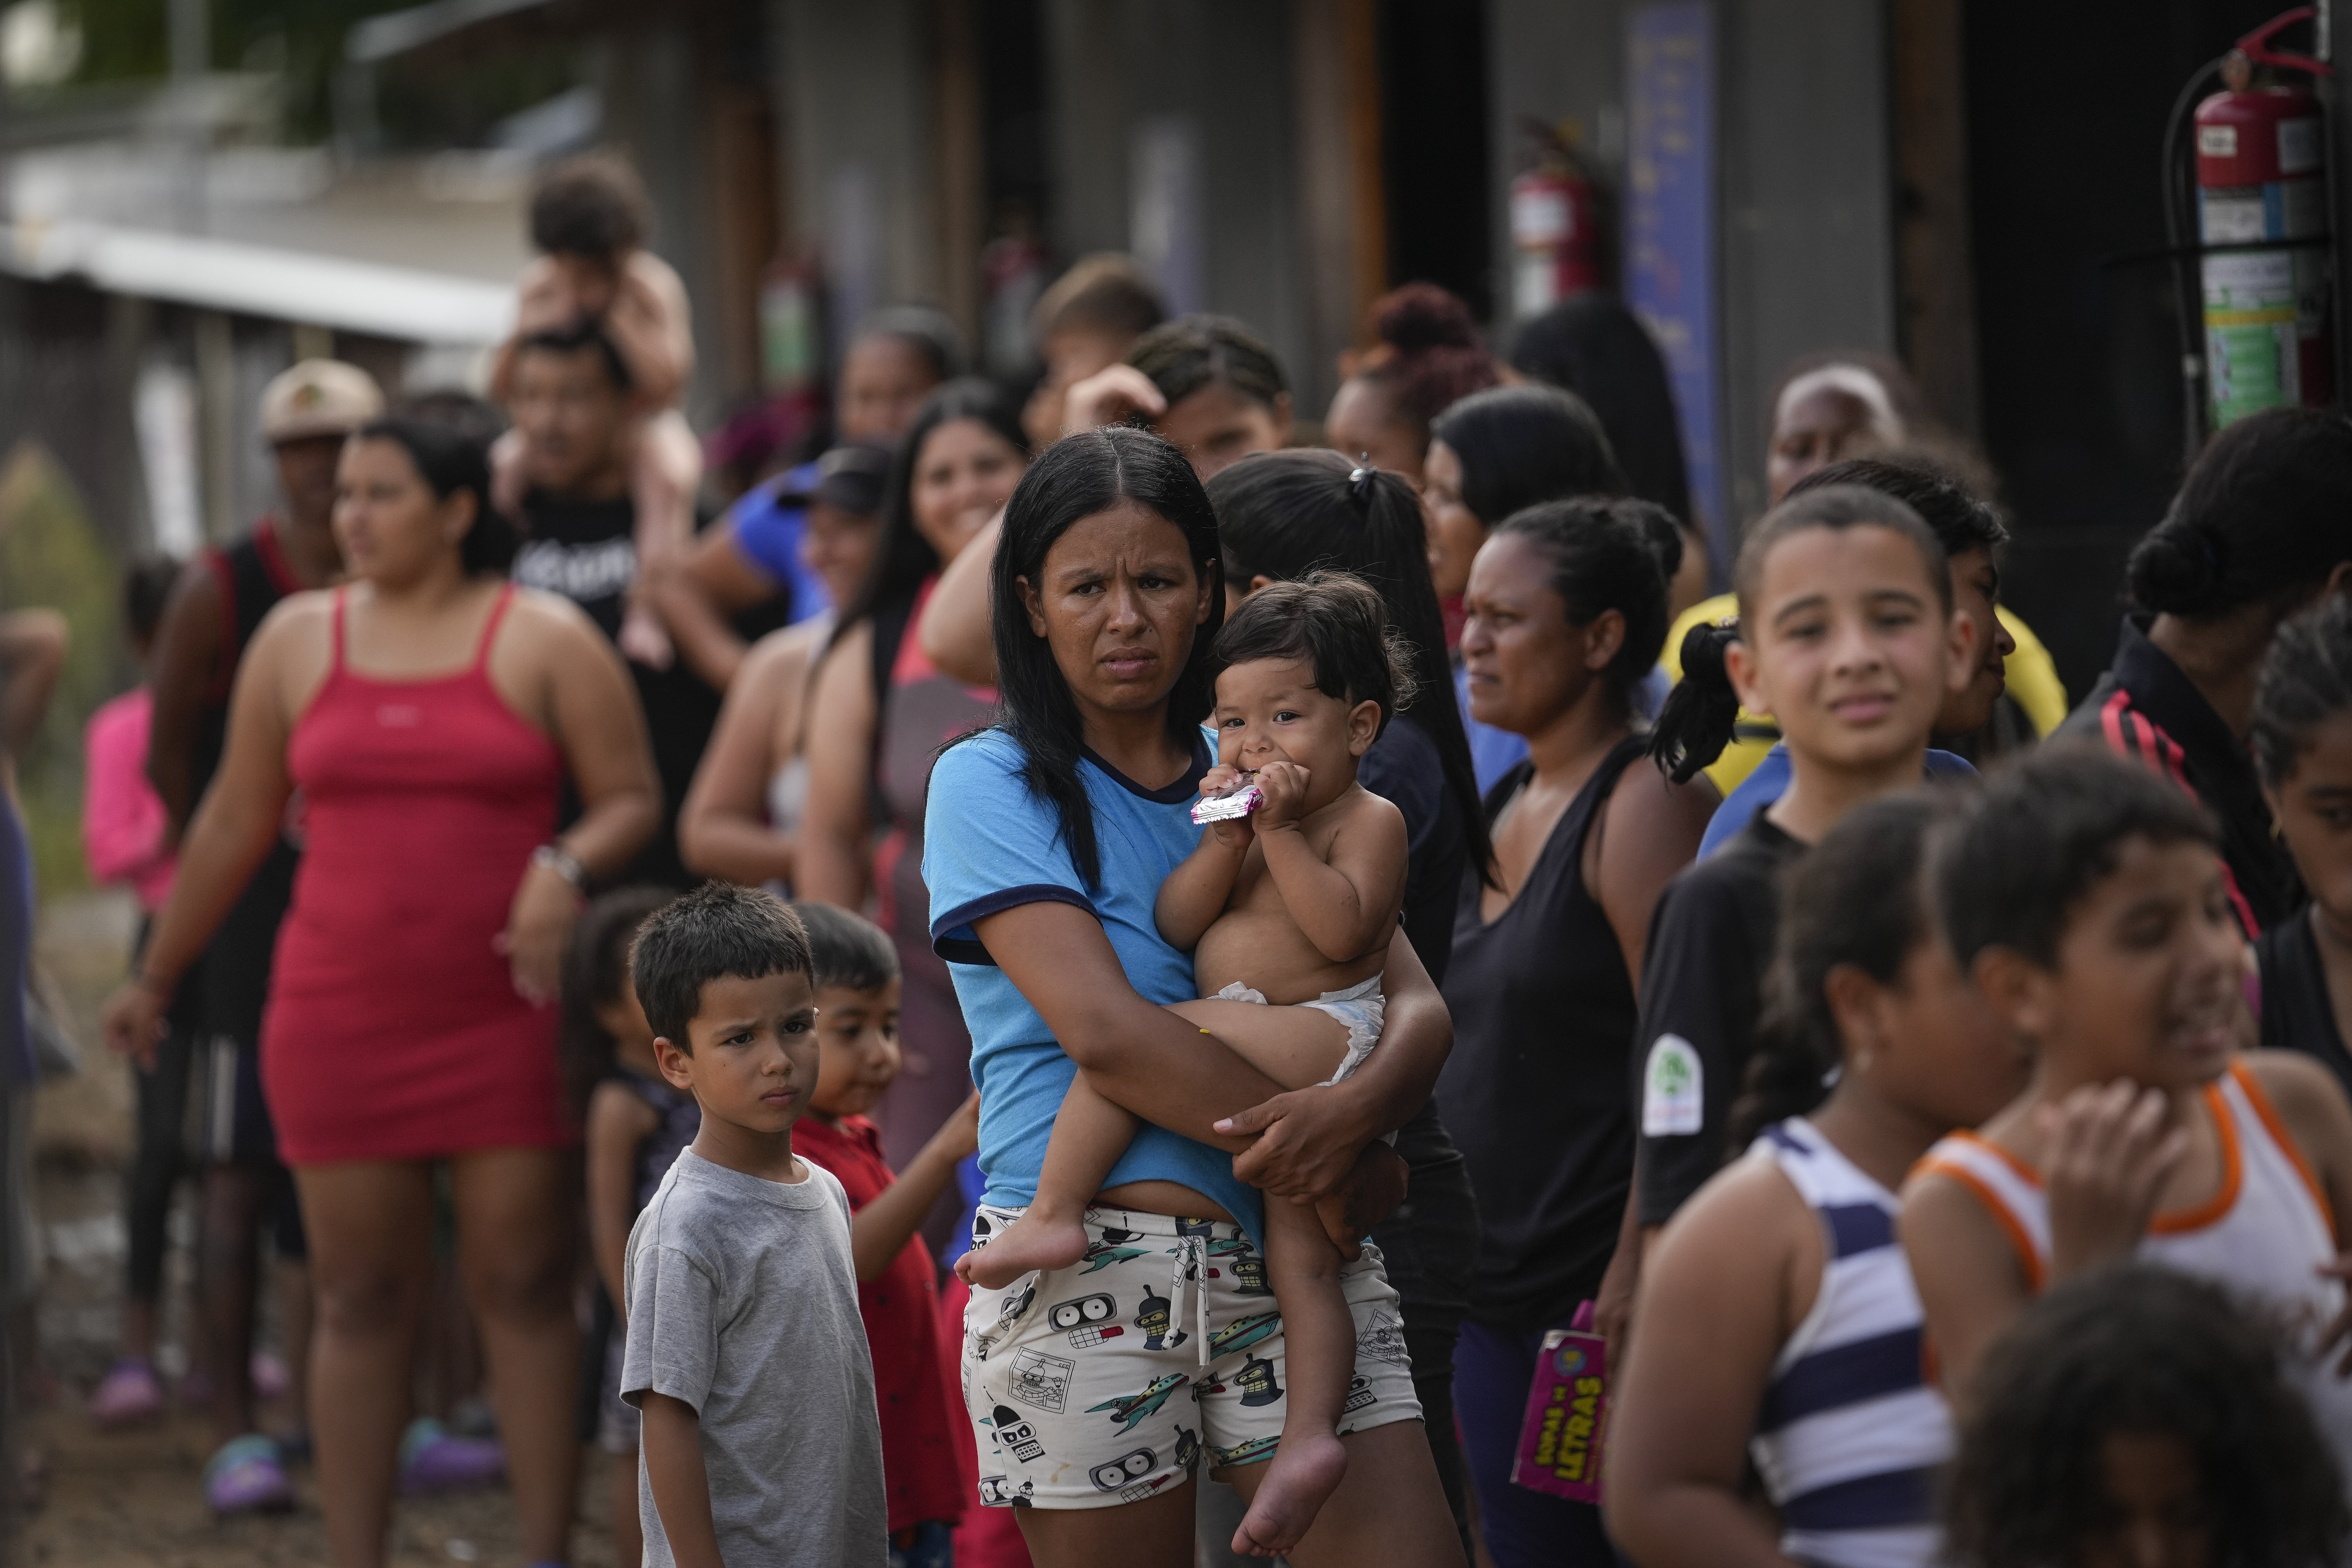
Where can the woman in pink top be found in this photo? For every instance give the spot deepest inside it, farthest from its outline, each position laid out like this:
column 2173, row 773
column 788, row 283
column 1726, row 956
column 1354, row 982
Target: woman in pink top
column 124, row 835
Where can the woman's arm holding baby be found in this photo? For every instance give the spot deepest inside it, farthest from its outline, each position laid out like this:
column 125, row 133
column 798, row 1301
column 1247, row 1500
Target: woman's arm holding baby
column 1310, row 1133
column 1347, row 905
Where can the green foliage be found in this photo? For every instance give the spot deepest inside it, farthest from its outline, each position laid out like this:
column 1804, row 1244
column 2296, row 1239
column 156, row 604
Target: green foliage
column 449, row 102
column 52, row 556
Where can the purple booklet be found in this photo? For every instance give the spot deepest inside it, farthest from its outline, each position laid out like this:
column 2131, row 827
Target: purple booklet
column 1559, row 1441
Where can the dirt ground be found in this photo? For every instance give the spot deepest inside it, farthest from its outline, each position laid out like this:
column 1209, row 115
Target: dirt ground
column 132, row 1500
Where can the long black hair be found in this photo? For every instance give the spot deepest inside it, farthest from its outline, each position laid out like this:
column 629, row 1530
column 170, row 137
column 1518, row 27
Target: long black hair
column 1610, row 554
column 2306, row 680
column 1523, row 445
column 1078, row 477
column 1698, row 719
column 1859, row 897
column 902, row 556
column 2260, row 514
column 2138, row 1349
column 1281, row 515
column 1596, row 348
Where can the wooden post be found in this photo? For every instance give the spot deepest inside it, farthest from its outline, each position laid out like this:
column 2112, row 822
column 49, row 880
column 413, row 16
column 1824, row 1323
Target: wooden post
column 1935, row 319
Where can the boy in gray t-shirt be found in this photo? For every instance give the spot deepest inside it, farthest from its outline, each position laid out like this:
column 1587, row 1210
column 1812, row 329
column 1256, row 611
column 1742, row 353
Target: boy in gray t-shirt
column 746, row 1354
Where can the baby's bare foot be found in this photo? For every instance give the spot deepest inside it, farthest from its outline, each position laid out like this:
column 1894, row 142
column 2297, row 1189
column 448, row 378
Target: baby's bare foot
column 645, row 640
column 1304, row 1473
column 1034, row 1243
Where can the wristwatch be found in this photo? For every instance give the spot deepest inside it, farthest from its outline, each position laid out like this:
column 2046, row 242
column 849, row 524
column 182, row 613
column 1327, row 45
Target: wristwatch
column 563, row 863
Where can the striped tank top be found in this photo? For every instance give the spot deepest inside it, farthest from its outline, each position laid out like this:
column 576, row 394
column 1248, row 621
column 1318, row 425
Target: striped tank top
column 1851, row 1435
column 2262, row 1236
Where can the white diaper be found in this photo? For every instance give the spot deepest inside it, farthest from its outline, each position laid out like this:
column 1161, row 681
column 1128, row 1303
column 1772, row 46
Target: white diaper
column 1361, row 1007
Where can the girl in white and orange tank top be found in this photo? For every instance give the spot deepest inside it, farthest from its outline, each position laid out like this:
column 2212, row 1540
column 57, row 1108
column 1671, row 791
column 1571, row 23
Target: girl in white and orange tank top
column 2086, row 899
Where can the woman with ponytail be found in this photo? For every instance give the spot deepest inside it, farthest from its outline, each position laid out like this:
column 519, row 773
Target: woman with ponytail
column 1772, row 1287
column 1849, row 635
column 1566, row 607
column 2257, row 536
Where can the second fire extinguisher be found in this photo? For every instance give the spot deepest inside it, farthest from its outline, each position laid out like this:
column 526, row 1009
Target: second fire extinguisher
column 2261, row 227
column 1555, row 226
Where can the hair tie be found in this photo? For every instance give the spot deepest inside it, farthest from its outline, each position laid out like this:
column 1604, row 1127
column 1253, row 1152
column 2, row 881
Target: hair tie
column 1360, row 481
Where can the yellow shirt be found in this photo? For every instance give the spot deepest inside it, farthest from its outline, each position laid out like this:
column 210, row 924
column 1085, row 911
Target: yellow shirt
column 2032, row 679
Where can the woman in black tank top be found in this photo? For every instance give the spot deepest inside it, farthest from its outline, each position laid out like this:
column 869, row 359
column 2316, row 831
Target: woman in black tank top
column 1568, row 611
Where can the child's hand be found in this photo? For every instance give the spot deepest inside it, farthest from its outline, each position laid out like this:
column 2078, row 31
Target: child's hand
column 1285, row 785
column 1220, row 779
column 1232, row 832
column 2107, row 1156
column 959, row 1135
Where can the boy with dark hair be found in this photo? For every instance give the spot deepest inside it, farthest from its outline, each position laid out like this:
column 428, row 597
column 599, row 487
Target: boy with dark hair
column 746, row 1355
column 856, row 974
column 2086, row 901
column 589, row 217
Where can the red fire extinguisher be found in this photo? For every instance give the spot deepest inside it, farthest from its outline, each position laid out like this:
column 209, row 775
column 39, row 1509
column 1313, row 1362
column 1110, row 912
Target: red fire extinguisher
column 1554, row 226
column 2261, row 227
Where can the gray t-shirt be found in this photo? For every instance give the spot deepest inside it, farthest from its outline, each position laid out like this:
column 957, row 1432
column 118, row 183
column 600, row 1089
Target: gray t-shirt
column 744, row 1303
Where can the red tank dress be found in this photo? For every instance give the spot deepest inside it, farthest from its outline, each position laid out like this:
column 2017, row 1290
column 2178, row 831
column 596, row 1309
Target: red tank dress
column 393, row 1030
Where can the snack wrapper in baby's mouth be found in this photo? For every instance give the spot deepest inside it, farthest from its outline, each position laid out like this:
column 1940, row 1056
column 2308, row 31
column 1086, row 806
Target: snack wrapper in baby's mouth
column 1238, row 802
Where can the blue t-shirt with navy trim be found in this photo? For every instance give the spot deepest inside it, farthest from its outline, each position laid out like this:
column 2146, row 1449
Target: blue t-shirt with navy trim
column 990, row 845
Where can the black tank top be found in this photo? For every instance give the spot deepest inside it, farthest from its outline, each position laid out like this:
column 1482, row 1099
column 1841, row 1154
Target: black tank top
column 2298, row 1015
column 1535, row 1090
column 254, row 576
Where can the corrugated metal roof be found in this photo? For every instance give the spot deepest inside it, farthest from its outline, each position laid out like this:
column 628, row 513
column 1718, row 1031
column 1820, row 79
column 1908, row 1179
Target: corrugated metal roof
column 277, row 284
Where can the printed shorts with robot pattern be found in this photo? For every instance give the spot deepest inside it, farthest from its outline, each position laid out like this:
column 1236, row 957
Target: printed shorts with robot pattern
column 1112, row 1380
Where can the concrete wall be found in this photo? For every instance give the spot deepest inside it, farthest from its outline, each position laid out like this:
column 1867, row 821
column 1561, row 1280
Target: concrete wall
column 1139, row 85
column 856, row 86
column 1806, row 248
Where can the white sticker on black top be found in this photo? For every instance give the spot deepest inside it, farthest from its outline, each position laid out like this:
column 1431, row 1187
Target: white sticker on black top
column 1674, row 1102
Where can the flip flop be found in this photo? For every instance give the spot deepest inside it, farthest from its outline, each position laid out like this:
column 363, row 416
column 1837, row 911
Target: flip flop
column 431, row 1461
column 128, row 1393
column 247, row 1477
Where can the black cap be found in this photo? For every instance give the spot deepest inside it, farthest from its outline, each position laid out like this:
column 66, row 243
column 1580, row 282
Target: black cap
column 848, row 478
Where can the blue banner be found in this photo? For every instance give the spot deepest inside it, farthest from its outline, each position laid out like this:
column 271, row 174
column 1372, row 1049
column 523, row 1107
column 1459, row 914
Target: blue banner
column 1670, row 231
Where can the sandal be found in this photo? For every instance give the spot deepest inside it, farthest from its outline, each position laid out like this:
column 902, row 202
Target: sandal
column 247, row 1477
column 431, row 1461
column 128, row 1393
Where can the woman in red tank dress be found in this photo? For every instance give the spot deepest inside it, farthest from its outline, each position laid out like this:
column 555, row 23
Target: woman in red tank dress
column 427, row 713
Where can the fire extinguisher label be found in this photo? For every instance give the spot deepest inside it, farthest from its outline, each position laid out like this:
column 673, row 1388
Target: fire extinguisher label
column 2233, row 215
column 2217, row 140
column 2250, row 333
column 2298, row 145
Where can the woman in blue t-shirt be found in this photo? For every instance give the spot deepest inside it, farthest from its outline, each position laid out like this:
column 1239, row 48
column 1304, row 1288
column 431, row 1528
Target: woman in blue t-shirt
column 1098, row 1390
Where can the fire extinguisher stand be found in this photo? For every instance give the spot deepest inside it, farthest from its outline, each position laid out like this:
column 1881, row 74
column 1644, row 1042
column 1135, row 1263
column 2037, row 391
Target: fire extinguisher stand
column 2256, row 286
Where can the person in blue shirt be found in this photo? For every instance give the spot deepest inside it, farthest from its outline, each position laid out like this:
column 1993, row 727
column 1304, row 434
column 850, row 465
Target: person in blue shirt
column 1098, row 1390
column 752, row 556
column 1971, row 533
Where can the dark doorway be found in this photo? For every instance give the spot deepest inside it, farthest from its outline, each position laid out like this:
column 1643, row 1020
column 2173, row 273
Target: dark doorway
column 1434, row 145
column 2077, row 328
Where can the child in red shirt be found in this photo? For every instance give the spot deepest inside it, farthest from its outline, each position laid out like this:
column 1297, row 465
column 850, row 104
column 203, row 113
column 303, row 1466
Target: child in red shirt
column 897, row 1285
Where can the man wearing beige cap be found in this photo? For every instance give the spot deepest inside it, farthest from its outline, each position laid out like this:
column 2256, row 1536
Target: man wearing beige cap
column 219, row 601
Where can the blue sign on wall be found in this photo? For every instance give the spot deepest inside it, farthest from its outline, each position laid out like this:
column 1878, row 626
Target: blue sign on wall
column 1670, row 230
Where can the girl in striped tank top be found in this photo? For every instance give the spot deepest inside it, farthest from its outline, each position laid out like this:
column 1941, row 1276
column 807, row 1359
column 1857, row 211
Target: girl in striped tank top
column 2084, row 895
column 1778, row 1321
